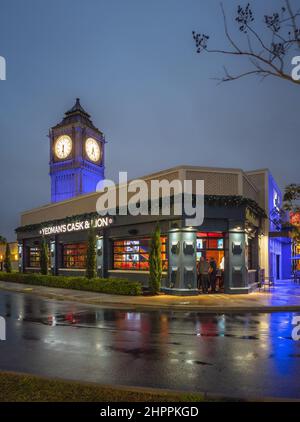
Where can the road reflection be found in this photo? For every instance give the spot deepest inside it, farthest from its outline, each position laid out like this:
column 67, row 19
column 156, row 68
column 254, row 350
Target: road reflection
column 182, row 350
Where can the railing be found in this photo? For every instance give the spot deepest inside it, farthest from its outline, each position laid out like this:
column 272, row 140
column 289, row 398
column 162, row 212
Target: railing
column 252, row 279
column 265, row 282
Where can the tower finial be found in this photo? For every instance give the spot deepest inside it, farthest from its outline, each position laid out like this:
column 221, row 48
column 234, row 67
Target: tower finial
column 77, row 108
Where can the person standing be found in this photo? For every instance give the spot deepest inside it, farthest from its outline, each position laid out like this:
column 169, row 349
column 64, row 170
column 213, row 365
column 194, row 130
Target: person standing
column 200, row 272
column 203, row 274
column 213, row 274
column 221, row 278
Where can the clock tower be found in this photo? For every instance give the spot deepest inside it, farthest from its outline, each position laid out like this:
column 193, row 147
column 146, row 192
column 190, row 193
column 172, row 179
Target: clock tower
column 76, row 155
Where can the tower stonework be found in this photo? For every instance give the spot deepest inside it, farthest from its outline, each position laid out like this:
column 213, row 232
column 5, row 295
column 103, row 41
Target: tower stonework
column 76, row 155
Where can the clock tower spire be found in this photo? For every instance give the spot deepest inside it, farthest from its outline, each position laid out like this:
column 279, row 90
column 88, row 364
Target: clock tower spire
column 76, row 155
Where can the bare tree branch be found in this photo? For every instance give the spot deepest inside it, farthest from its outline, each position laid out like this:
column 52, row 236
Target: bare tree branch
column 293, row 20
column 271, row 59
column 227, row 32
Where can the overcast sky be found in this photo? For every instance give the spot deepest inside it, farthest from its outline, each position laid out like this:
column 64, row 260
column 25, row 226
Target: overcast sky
column 134, row 67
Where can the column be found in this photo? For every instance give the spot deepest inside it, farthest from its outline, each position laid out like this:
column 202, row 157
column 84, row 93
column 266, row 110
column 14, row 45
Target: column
column 236, row 280
column 182, row 274
column 53, row 257
column 99, row 256
column 21, row 256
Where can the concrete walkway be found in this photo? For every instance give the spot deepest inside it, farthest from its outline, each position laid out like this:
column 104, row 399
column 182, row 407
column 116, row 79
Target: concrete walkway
column 284, row 297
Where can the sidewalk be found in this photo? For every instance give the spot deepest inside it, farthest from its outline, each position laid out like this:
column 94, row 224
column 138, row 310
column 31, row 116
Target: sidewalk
column 284, row 297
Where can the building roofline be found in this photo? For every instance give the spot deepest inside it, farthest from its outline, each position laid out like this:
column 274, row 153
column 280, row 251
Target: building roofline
column 147, row 177
column 190, row 167
column 257, row 171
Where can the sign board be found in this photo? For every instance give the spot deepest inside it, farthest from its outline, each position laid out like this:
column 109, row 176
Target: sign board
column 77, row 226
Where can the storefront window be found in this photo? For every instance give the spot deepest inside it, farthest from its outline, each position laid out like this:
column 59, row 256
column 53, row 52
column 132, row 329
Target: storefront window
column 296, row 262
column 74, row 255
column 211, row 245
column 34, row 257
column 134, row 254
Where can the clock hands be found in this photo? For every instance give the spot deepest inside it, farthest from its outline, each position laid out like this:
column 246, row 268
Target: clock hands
column 63, row 146
column 92, row 149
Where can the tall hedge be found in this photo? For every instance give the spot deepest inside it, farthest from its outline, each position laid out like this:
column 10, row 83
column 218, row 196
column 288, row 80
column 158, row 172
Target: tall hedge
column 91, row 255
column 7, row 259
column 116, row 286
column 155, row 264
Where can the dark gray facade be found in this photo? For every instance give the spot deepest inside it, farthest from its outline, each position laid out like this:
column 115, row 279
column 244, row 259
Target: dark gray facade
column 180, row 277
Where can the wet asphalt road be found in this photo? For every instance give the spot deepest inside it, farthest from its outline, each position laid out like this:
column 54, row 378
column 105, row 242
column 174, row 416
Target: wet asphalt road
column 237, row 354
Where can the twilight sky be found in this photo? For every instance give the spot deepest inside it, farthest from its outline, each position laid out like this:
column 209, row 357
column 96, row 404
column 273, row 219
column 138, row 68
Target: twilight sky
column 133, row 65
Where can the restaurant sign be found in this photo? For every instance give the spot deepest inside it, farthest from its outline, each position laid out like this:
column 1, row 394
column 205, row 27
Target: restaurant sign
column 77, row 226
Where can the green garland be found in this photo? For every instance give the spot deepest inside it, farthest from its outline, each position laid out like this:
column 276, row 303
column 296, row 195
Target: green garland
column 212, row 200
column 67, row 220
column 235, row 201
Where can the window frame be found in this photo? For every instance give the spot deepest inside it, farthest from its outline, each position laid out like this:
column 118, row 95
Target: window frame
column 36, row 263
column 138, row 266
column 83, row 245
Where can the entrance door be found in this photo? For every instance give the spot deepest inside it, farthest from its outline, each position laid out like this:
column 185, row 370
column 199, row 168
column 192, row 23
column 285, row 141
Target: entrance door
column 277, row 267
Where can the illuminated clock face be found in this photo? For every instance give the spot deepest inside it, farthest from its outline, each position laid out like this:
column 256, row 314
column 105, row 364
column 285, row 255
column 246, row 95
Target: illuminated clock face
column 92, row 149
column 63, row 147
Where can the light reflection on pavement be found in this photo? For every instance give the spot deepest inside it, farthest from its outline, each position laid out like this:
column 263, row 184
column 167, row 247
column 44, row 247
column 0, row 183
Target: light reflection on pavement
column 235, row 354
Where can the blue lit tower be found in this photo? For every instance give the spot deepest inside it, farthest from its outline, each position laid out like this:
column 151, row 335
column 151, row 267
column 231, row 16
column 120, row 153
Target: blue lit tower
column 76, row 155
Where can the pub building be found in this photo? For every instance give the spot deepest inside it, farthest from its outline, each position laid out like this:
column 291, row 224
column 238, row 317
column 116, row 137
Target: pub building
column 239, row 229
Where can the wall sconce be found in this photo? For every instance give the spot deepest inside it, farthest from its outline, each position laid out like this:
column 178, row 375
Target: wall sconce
column 188, row 248
column 237, row 248
column 175, row 248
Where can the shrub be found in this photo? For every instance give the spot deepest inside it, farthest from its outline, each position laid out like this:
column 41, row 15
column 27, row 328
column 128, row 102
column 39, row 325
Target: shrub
column 91, row 255
column 117, row 286
column 7, row 260
column 44, row 257
column 155, row 264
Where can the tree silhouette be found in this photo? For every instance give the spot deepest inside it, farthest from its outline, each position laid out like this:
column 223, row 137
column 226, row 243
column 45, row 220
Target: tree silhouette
column 155, row 263
column 91, row 255
column 44, row 260
column 7, row 259
column 268, row 54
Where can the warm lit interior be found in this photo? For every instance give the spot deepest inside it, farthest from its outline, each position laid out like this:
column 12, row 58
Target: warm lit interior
column 134, row 254
column 211, row 245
